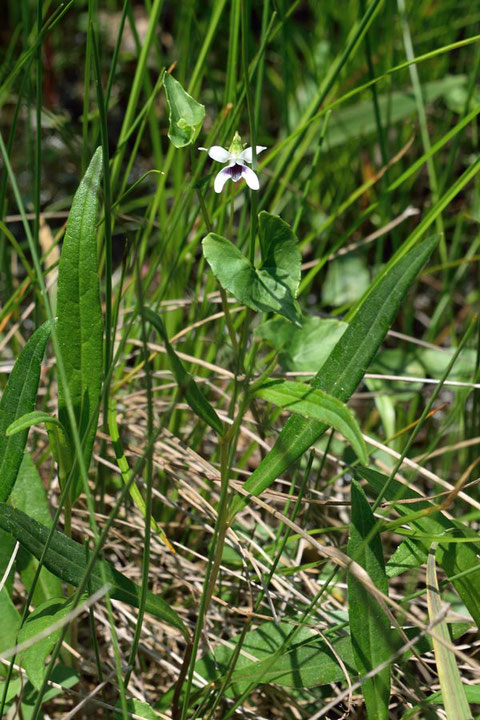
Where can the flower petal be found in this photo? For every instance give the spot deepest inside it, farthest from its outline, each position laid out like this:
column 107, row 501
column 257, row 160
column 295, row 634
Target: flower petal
column 221, row 179
column 250, row 178
column 247, row 153
column 218, row 153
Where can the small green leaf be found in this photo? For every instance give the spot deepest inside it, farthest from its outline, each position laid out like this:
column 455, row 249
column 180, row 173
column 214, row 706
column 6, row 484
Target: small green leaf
column 17, row 399
column 346, row 280
column 306, row 348
column 80, row 322
column 10, row 622
column 369, row 625
column 185, row 114
column 193, row 395
column 281, row 257
column 453, row 693
column 139, row 709
column 68, row 560
column 28, row 494
column 318, row 405
column 266, row 290
column 306, row 663
column 44, row 616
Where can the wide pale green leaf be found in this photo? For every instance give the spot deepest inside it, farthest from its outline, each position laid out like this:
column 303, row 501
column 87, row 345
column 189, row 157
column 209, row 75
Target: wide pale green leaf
column 29, row 496
column 455, row 558
column 306, row 663
column 80, row 322
column 185, row 114
column 318, row 405
column 453, row 693
column 281, row 257
column 344, row 368
column 346, row 280
column 68, row 560
column 302, row 349
column 17, row 399
column 44, row 616
column 193, row 395
column 264, row 290
column 369, row 625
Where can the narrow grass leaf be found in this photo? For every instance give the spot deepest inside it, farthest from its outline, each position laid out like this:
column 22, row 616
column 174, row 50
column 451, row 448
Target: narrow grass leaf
column 68, row 560
column 317, row 405
column 17, row 399
column 344, row 368
column 80, row 322
column 193, row 395
column 369, row 624
column 453, row 693
column 185, row 114
column 264, row 290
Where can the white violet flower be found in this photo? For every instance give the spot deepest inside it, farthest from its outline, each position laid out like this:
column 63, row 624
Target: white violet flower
column 236, row 157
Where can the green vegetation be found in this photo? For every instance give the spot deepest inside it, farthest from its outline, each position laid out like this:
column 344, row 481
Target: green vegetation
column 240, row 355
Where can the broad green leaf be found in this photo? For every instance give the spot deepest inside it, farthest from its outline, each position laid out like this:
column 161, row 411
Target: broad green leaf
column 436, row 362
column 281, row 257
column 455, row 558
column 407, row 556
column 264, row 290
column 344, row 368
column 139, row 709
column 68, row 560
column 9, row 624
column 306, row 348
column 29, row 496
column 17, row 399
column 358, row 120
column 306, row 663
column 369, row 624
column 317, row 405
column 453, row 693
column 80, row 322
column 193, row 395
column 44, row 616
column 346, row 280
column 185, row 114
column 56, row 433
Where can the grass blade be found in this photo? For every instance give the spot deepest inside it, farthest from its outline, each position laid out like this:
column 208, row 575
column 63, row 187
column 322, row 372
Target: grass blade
column 453, row 693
